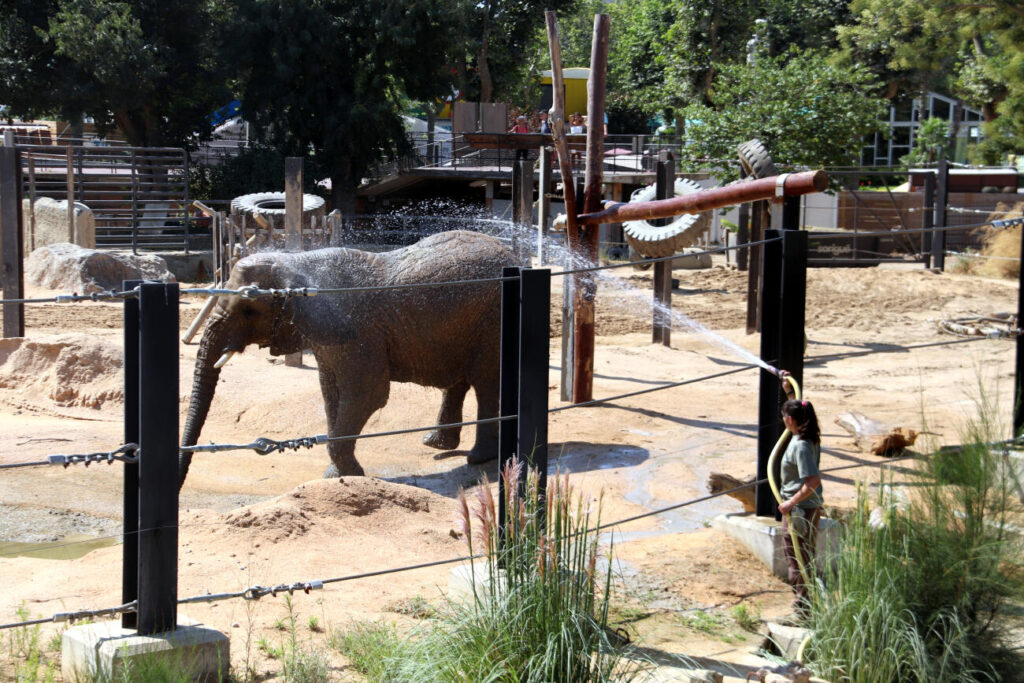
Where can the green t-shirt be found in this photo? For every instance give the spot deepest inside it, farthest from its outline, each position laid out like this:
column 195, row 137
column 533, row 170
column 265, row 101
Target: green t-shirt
column 801, row 460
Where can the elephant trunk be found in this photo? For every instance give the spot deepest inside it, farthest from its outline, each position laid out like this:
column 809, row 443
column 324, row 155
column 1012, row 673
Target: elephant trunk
column 204, row 384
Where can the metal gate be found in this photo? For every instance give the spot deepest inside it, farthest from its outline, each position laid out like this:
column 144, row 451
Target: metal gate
column 138, row 195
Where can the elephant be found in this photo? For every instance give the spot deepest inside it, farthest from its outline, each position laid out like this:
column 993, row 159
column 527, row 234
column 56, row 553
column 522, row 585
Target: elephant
column 446, row 336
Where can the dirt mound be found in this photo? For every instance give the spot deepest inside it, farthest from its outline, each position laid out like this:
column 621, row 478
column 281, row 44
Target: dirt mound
column 70, row 267
column 346, row 503
column 70, row 369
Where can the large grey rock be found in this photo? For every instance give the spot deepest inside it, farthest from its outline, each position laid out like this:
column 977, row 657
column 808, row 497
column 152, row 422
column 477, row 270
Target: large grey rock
column 69, row 267
column 51, row 223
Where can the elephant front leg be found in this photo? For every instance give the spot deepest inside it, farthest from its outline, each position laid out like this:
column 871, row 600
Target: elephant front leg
column 452, row 400
column 347, row 414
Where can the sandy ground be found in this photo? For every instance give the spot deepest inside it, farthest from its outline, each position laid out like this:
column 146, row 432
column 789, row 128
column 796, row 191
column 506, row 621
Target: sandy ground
column 250, row 520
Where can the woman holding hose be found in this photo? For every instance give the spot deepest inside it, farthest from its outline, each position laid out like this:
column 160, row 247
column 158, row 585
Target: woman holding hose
column 800, row 489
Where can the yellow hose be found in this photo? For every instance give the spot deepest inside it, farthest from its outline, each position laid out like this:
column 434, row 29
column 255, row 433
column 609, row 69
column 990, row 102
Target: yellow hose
column 779, row 445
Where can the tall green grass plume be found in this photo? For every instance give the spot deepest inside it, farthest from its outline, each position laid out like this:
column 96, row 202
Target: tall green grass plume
column 925, row 570
column 541, row 611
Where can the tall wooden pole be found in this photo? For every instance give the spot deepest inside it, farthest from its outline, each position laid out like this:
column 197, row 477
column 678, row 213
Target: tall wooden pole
column 556, row 119
column 585, row 286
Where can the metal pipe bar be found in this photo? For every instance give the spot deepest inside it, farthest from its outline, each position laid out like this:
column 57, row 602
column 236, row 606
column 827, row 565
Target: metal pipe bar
column 792, row 185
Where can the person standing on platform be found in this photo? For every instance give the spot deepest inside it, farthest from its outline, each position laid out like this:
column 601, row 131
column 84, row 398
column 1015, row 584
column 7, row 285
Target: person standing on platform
column 521, row 128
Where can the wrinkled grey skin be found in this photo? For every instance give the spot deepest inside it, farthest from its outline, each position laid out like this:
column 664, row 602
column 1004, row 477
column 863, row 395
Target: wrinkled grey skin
column 446, row 337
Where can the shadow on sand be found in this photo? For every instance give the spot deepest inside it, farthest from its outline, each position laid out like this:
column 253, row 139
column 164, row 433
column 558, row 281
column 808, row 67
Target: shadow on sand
column 569, row 456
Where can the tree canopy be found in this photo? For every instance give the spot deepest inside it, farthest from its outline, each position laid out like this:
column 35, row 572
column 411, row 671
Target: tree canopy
column 807, row 112
column 151, row 67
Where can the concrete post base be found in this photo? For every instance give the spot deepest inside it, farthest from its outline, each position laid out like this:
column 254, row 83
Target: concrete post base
column 763, row 537
column 105, row 651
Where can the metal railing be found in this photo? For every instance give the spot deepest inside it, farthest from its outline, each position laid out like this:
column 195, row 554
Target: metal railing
column 138, row 195
column 444, row 150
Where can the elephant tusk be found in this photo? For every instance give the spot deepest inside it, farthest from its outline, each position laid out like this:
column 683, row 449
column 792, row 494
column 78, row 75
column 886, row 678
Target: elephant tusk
column 222, row 361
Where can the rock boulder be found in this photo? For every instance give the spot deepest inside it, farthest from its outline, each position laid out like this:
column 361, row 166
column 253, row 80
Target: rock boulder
column 68, row 267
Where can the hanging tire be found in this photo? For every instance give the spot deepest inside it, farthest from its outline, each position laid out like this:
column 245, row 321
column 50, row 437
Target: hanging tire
column 755, row 160
column 656, row 241
column 270, row 205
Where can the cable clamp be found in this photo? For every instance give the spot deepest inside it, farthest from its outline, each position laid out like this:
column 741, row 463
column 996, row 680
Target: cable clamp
column 780, row 186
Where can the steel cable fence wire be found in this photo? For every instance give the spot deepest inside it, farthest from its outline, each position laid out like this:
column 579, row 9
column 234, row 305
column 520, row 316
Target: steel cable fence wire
column 253, row 292
column 76, row 298
column 967, row 254
column 255, row 592
column 128, row 453
column 265, row 446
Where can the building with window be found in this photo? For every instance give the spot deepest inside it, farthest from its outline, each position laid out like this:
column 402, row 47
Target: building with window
column 905, row 115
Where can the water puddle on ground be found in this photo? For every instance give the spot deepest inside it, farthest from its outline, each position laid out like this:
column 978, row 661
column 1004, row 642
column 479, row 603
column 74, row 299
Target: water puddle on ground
column 69, row 548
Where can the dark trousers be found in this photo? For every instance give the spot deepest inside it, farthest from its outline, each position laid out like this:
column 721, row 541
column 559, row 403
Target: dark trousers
column 807, row 534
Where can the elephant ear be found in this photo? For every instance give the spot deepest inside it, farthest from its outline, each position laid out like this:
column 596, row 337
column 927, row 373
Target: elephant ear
column 320, row 320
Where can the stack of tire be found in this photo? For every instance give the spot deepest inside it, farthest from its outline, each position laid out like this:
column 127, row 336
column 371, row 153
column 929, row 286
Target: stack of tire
column 270, row 207
column 651, row 241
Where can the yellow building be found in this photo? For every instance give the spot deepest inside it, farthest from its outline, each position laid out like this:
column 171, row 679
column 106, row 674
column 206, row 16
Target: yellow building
column 575, row 79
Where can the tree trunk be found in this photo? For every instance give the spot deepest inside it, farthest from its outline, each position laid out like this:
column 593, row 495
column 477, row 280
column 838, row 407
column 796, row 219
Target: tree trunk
column 343, row 187
column 486, row 83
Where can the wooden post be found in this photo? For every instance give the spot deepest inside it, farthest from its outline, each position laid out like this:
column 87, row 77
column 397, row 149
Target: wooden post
column 72, row 232
column 31, row 201
column 12, row 246
column 158, row 467
column 293, row 224
column 293, row 204
column 585, row 287
column 556, row 119
column 769, row 399
column 544, row 207
column 754, row 254
column 941, row 198
column 524, row 201
column 664, row 188
column 130, row 495
column 742, row 235
column 928, row 218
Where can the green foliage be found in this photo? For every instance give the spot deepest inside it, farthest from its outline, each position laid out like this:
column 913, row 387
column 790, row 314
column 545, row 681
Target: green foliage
column 917, row 587
column 908, row 44
column 25, row 651
column 328, row 79
column 541, row 613
column 369, row 647
column 931, row 143
column 259, row 168
column 153, row 68
column 747, row 616
column 806, row 112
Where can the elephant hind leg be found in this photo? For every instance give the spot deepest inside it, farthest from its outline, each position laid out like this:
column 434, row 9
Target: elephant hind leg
column 451, row 411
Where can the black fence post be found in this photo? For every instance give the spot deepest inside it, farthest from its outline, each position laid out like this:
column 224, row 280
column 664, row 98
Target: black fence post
column 534, row 348
column 769, row 395
column 508, row 393
column 791, row 213
column 941, row 198
column 1018, row 386
column 792, row 304
column 12, row 245
column 665, row 179
column 928, row 219
column 130, row 536
column 158, row 458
